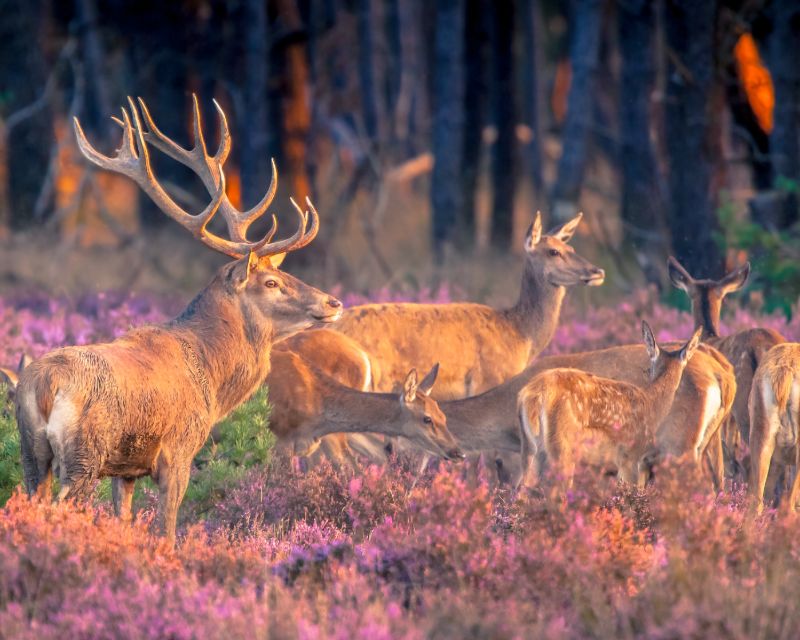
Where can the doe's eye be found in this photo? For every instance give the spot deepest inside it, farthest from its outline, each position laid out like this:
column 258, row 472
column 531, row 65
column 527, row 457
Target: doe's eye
column 271, row 284
column 427, row 420
column 555, row 253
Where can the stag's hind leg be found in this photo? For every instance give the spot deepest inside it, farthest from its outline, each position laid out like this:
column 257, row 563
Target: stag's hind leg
column 173, row 481
column 35, row 451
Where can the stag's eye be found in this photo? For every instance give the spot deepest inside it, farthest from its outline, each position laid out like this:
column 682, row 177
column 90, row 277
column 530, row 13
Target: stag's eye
column 271, row 284
column 555, row 253
column 427, row 420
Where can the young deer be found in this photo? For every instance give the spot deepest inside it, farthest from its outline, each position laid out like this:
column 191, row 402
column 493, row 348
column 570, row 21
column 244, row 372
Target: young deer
column 320, row 405
column 478, row 347
column 346, row 363
column 568, row 415
column 144, row 404
column 743, row 349
column 489, row 422
column 775, row 420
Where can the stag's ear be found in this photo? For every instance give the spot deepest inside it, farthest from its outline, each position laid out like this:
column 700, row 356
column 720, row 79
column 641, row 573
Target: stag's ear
column 566, row 230
column 650, row 341
column 410, row 387
column 534, row 233
column 427, row 382
column 735, row 280
column 687, row 350
column 277, row 260
column 679, row 276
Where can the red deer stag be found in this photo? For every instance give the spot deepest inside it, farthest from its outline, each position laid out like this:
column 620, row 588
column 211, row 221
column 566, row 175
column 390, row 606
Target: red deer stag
column 478, row 347
column 568, row 415
column 144, row 404
column 743, row 349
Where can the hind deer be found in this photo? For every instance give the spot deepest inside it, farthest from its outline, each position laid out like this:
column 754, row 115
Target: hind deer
column 743, row 349
column 144, row 404
column 568, row 415
column 478, row 347
column 321, row 406
column 775, row 420
column 489, row 422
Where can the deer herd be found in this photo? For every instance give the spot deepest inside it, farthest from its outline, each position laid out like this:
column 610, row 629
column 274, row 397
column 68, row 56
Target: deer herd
column 144, row 404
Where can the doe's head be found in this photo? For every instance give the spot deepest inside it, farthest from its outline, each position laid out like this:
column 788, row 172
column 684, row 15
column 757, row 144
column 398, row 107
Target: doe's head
column 663, row 359
column 423, row 422
column 555, row 260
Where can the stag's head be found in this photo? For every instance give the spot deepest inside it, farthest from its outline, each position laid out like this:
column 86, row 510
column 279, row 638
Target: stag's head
column 663, row 359
column 254, row 279
column 707, row 295
column 424, row 424
column 554, row 260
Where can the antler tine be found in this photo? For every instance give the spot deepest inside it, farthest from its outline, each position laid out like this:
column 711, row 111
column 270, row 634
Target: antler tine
column 243, row 219
column 224, row 136
column 282, row 246
column 312, row 232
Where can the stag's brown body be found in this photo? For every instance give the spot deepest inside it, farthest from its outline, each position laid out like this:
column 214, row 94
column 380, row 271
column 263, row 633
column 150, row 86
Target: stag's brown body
column 775, row 420
column 567, row 415
column 478, row 347
column 743, row 349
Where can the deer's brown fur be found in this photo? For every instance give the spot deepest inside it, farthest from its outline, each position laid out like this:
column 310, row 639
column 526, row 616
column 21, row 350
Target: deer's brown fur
column 775, row 419
column 478, row 347
column 568, row 415
column 489, row 421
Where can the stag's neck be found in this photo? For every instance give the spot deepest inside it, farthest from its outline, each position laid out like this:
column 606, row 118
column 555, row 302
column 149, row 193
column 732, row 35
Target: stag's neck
column 537, row 310
column 346, row 410
column 229, row 342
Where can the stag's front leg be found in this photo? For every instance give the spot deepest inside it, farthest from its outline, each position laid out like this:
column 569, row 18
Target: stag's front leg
column 122, row 496
column 172, row 483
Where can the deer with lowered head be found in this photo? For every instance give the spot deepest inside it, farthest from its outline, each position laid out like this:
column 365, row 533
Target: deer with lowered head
column 321, row 406
column 568, row 415
column 775, row 421
column 144, row 404
column 477, row 346
column 744, row 349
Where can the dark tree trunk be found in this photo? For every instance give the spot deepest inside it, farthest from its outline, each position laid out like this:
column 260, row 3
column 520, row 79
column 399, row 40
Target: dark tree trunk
column 366, row 70
column 22, row 77
column 504, row 165
column 530, row 92
column 688, row 115
column 448, row 122
column 253, row 122
column 585, row 30
column 642, row 208
column 784, row 53
column 394, row 66
column 97, row 101
column 476, row 45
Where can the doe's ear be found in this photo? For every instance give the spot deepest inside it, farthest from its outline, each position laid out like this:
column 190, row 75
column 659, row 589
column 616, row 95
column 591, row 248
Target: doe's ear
column 427, row 382
column 567, row 230
column 534, row 233
column 277, row 260
column 24, row 362
column 650, row 341
column 735, row 280
column 679, row 276
column 687, row 350
column 410, row 387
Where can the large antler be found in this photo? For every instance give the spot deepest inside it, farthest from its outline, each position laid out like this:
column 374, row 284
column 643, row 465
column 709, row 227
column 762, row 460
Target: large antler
column 132, row 159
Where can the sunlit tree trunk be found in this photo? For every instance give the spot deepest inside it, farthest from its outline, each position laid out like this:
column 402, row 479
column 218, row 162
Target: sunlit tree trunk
column 585, row 27
column 448, row 122
column 688, row 112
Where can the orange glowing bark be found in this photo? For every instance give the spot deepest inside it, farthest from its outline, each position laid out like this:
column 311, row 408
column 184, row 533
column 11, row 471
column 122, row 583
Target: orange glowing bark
column 755, row 80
